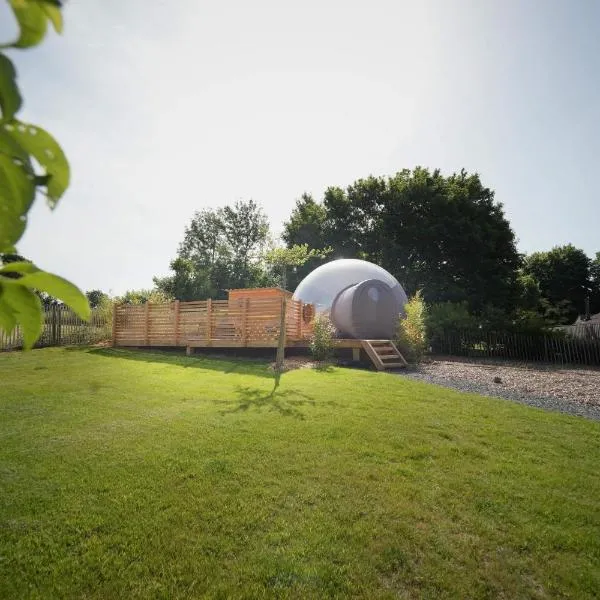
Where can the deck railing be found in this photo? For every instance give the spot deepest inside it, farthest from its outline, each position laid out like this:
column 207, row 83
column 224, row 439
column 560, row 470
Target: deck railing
column 251, row 322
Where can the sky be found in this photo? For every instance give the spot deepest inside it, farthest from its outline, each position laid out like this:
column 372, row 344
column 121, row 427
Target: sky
column 165, row 107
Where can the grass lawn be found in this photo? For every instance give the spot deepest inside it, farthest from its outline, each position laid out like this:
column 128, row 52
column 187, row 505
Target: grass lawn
column 146, row 475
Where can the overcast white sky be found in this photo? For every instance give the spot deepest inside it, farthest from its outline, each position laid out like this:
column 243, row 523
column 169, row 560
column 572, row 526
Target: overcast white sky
column 166, row 107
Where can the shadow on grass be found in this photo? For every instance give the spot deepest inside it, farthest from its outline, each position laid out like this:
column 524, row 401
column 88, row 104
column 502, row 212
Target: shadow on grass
column 241, row 366
column 285, row 402
column 325, row 367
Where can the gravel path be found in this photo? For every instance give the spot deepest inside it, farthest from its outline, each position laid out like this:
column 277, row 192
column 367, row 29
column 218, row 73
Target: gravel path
column 575, row 391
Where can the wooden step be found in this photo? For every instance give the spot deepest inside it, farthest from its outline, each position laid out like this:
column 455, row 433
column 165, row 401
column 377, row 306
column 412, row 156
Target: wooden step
column 383, row 354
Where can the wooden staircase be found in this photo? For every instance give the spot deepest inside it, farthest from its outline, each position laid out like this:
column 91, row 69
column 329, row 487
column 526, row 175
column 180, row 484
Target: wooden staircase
column 383, row 354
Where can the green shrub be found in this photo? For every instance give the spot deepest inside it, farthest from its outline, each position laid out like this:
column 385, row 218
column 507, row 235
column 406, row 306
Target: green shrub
column 444, row 316
column 412, row 329
column 321, row 342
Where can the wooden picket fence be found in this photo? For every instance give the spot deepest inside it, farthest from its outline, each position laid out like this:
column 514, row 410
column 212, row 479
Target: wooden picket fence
column 62, row 327
column 247, row 322
column 583, row 348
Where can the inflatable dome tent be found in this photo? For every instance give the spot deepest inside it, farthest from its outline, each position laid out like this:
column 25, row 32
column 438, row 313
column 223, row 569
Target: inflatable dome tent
column 362, row 300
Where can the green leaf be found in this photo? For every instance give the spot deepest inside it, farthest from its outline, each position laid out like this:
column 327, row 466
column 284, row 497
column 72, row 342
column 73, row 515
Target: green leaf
column 47, row 152
column 52, row 10
column 10, row 147
column 58, row 288
column 26, row 308
column 17, row 192
column 32, row 20
column 10, row 97
column 8, row 320
column 21, row 267
column 12, row 227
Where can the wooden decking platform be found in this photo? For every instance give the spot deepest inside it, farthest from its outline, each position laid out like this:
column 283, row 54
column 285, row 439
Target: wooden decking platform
column 382, row 353
column 252, row 318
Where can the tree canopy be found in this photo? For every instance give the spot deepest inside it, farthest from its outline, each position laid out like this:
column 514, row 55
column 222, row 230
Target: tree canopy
column 282, row 259
column 565, row 278
column 97, row 298
column 445, row 235
column 221, row 249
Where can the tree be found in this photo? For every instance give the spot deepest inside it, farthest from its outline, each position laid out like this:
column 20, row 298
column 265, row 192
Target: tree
column 30, row 161
column 97, row 298
column 305, row 226
column 246, row 230
column 595, row 270
column 297, row 255
column 143, row 296
column 448, row 236
column 445, row 235
column 221, row 249
column 353, row 224
column 306, row 222
column 595, row 280
column 564, row 278
column 530, row 295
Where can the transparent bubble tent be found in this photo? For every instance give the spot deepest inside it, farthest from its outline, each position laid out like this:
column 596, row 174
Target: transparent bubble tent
column 362, row 299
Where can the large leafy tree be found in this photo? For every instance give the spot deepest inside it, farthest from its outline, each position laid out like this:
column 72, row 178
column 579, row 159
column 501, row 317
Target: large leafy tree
column 565, row 280
column 246, row 230
column 31, row 162
column 445, row 235
column 97, row 298
column 305, row 227
column 448, row 236
column 221, row 249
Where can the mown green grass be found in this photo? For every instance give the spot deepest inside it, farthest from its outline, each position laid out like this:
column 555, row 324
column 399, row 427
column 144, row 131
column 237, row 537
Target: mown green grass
column 145, row 475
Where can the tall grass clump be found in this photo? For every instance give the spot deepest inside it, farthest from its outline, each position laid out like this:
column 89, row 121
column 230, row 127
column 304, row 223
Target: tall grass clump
column 412, row 329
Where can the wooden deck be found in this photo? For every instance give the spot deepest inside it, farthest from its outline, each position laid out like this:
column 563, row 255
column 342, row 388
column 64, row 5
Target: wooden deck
column 249, row 319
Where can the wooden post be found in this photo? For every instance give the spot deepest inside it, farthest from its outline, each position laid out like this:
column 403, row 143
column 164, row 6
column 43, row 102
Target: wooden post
column 53, row 341
column 208, row 321
column 114, row 325
column 282, row 337
column 245, row 321
column 177, row 322
column 59, row 325
column 147, row 324
column 300, row 320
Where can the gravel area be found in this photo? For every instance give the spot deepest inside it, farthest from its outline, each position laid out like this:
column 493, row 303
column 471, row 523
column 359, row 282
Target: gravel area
column 574, row 391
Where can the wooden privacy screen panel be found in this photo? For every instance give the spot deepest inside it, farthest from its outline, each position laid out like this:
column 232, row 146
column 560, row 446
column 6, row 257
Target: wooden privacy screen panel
column 246, row 321
column 129, row 326
column 192, row 321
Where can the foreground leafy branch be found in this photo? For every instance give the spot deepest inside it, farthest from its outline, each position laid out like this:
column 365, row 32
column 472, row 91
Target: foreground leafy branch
column 31, row 160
